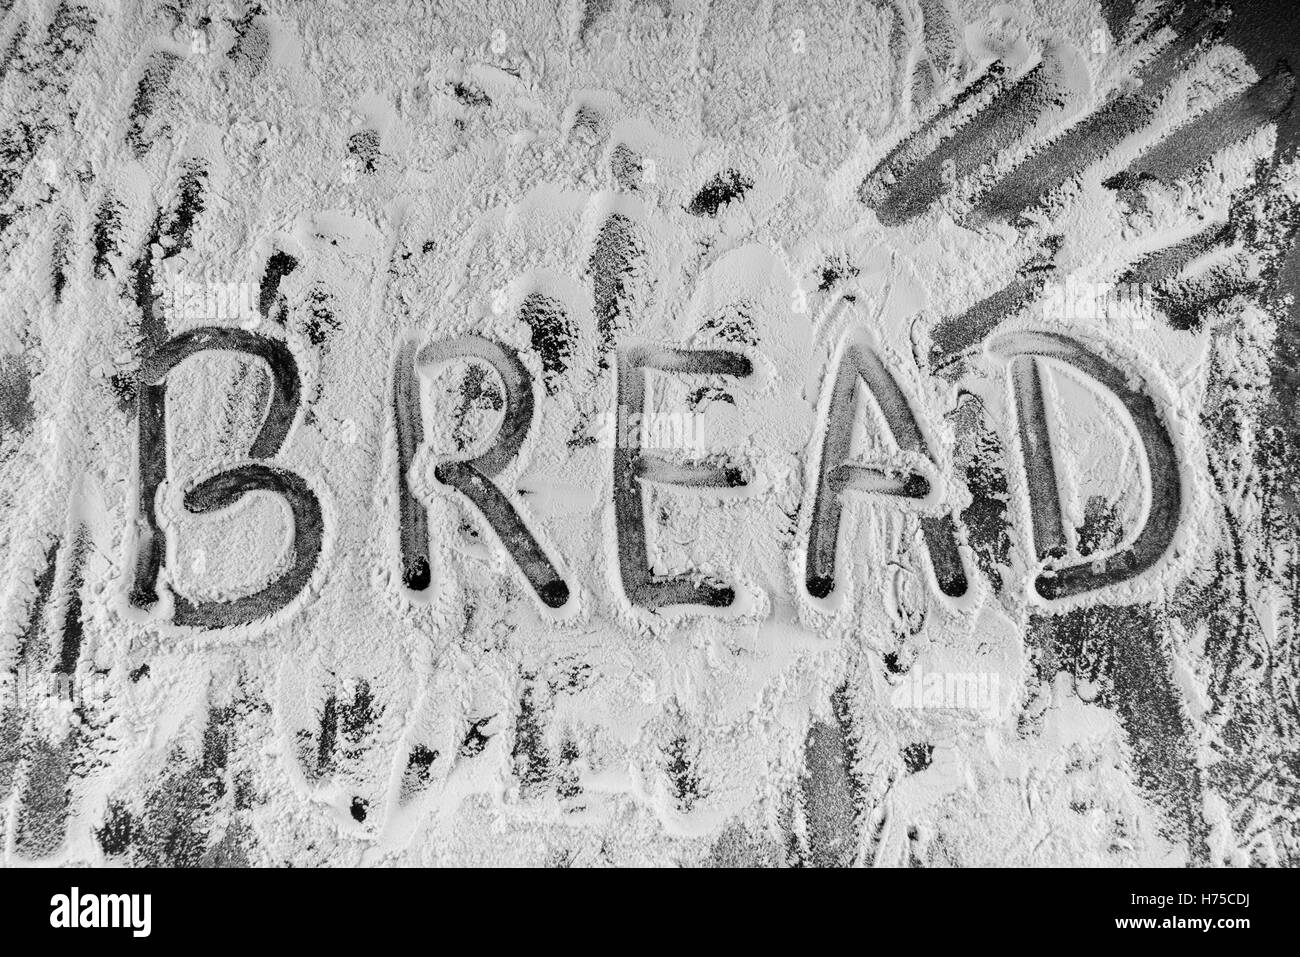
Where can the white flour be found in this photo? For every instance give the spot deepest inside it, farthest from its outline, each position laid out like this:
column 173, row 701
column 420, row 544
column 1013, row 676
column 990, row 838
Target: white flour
column 429, row 167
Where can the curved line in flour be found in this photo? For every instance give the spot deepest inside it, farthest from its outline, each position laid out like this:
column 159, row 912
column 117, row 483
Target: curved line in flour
column 225, row 489
column 228, row 486
column 1165, row 511
column 285, row 386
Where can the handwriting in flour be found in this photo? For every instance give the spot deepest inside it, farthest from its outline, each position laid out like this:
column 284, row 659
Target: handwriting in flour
column 907, row 482
column 225, row 487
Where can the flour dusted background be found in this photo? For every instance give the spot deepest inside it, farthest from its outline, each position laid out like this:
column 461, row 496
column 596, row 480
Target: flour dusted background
column 797, row 186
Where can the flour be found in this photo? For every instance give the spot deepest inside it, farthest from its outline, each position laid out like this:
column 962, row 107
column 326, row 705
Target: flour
column 455, row 221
